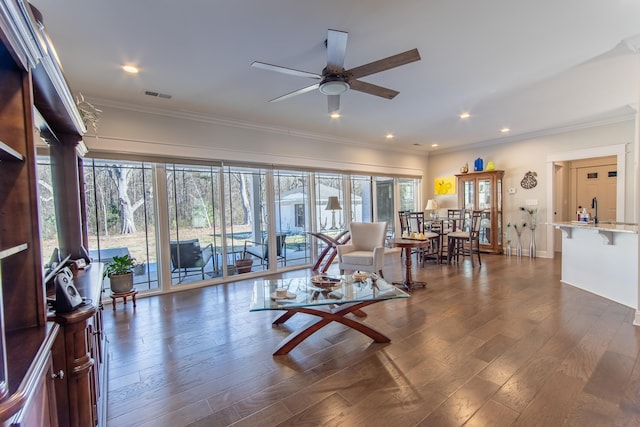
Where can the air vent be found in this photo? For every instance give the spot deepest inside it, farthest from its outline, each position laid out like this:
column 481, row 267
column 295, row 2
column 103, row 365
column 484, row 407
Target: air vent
column 157, row 94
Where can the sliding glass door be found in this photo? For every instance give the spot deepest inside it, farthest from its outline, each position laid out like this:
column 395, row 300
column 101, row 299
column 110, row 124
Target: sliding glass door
column 193, row 199
column 121, row 218
column 293, row 219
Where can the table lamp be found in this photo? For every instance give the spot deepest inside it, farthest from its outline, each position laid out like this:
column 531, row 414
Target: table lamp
column 333, row 205
column 431, row 207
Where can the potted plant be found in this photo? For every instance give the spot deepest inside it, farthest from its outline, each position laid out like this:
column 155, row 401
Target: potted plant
column 243, row 265
column 120, row 274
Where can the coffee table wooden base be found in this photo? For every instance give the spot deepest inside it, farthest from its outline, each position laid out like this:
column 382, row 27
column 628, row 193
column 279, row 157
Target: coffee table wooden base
column 327, row 315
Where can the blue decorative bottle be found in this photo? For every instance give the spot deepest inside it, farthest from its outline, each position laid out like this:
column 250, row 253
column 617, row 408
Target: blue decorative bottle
column 477, row 165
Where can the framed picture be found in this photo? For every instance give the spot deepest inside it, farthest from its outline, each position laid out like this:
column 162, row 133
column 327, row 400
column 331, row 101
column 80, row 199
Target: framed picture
column 445, row 185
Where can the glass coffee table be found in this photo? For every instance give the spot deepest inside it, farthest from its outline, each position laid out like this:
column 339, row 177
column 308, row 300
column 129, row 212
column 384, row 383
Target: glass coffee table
column 331, row 300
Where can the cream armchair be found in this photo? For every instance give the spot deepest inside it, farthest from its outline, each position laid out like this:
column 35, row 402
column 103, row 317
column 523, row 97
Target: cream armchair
column 365, row 250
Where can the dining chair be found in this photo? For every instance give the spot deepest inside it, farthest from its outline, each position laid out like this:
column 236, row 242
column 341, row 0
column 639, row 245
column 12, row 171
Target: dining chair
column 404, row 222
column 465, row 241
column 416, row 222
column 436, row 247
column 454, row 222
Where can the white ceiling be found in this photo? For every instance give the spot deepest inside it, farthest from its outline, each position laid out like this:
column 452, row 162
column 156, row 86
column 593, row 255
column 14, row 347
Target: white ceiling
column 534, row 66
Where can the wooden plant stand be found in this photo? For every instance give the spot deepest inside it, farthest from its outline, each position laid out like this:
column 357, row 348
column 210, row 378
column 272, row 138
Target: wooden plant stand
column 132, row 293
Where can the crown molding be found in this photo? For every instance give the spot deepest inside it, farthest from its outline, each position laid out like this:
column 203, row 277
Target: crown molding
column 243, row 124
column 618, row 118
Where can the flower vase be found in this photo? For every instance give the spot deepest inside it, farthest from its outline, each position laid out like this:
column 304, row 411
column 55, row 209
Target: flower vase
column 532, row 244
column 518, row 245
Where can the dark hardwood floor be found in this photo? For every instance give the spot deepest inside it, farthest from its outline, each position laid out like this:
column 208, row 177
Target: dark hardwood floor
column 505, row 344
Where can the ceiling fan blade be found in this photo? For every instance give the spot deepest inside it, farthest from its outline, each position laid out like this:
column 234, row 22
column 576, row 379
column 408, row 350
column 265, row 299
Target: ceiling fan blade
column 296, row 92
column 372, row 89
column 285, row 70
column 334, row 103
column 336, row 50
column 385, row 64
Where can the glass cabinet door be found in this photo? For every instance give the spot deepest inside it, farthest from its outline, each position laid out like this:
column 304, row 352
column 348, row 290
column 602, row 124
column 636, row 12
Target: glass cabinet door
column 469, row 194
column 483, row 191
column 485, row 227
column 484, row 194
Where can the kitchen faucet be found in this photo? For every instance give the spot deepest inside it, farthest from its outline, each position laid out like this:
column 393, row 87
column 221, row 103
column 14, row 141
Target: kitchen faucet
column 594, row 206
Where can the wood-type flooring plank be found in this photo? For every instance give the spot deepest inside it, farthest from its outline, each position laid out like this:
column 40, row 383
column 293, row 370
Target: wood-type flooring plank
column 504, row 344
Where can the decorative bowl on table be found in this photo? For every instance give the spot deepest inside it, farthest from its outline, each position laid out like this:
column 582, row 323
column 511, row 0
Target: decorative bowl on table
column 278, row 296
column 360, row 277
column 324, row 282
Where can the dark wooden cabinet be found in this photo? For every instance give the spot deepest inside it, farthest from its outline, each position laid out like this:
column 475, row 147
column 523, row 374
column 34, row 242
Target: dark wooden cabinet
column 85, row 349
column 51, row 366
column 34, row 400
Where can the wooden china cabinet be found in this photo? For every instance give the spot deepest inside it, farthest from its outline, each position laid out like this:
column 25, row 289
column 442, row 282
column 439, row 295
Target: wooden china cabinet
column 52, row 370
column 483, row 191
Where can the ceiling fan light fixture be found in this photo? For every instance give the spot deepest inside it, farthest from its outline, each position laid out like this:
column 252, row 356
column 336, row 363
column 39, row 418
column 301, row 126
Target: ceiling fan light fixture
column 131, row 69
column 333, row 86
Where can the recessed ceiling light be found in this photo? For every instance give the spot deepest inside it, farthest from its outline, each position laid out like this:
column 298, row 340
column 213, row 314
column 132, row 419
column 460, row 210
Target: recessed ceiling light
column 505, row 130
column 464, row 115
column 434, row 145
column 389, row 136
column 334, row 115
column 131, row 69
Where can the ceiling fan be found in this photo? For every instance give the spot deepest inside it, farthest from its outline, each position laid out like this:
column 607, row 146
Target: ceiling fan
column 335, row 80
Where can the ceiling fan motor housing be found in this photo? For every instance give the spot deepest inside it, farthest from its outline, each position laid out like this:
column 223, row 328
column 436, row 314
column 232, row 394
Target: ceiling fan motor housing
column 333, row 85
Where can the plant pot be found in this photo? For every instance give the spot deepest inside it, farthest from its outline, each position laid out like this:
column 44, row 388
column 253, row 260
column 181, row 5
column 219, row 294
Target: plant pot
column 244, row 265
column 121, row 283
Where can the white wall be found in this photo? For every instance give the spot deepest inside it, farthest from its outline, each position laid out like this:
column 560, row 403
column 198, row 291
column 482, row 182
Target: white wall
column 154, row 133
column 516, row 158
column 123, row 130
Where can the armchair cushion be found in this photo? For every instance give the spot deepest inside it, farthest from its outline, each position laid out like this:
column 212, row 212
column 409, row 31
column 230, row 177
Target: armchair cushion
column 358, row 258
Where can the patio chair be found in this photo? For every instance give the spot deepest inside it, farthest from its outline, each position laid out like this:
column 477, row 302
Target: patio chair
column 187, row 255
column 261, row 250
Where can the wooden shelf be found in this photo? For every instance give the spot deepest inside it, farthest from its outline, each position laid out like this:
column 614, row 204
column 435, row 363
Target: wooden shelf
column 4, row 253
column 9, row 154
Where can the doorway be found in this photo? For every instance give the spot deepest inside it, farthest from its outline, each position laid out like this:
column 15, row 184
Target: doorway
column 595, row 180
column 559, row 196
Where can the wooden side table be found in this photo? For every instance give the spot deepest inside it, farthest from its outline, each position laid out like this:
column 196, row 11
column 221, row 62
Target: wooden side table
column 407, row 245
column 132, row 293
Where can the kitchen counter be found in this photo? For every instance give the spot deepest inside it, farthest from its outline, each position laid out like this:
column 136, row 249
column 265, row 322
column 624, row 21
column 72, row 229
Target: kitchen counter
column 606, row 230
column 601, row 258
